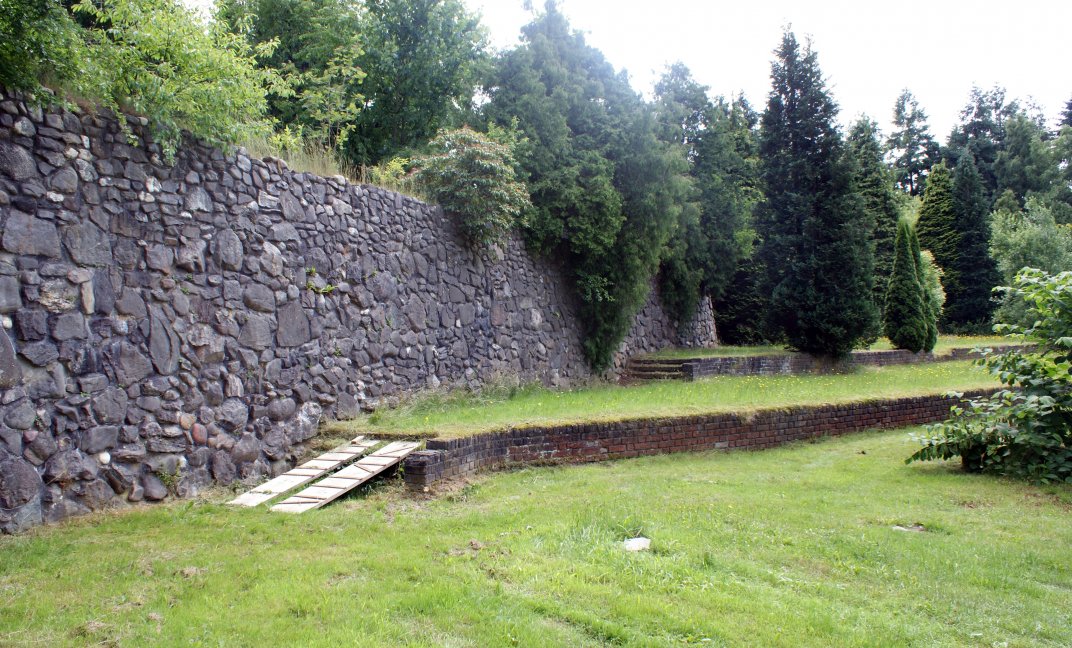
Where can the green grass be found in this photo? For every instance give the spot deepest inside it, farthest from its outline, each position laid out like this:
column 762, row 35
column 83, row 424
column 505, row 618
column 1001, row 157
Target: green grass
column 455, row 414
column 788, row 547
column 944, row 345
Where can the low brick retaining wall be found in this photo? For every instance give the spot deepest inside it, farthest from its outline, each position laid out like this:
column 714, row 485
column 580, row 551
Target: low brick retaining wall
column 446, row 459
column 798, row 363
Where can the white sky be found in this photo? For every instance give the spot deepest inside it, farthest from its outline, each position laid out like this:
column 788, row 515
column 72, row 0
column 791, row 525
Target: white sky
column 868, row 51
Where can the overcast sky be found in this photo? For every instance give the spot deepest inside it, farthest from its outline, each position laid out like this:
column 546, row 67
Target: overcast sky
column 868, row 51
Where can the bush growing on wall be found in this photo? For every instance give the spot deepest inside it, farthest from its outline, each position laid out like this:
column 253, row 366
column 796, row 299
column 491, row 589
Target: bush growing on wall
column 1026, row 430
column 472, row 176
column 156, row 58
column 38, row 43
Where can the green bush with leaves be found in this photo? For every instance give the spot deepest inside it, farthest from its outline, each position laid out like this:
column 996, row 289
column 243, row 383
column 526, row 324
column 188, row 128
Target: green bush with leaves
column 1026, row 238
column 158, row 59
column 39, row 43
column 1024, row 430
column 472, row 177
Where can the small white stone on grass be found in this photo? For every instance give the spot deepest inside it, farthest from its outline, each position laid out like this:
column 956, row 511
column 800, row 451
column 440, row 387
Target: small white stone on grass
column 637, row 544
column 914, row 528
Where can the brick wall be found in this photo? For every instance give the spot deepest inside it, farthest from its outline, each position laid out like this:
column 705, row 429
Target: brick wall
column 446, row 459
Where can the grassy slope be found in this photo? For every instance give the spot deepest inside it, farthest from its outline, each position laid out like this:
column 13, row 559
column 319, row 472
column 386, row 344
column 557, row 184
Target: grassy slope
column 452, row 415
column 944, row 345
column 788, row 547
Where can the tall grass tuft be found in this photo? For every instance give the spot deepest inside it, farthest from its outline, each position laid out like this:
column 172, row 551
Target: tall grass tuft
column 312, row 156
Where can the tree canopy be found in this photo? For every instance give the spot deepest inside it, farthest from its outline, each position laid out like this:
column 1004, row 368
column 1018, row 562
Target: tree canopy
column 912, row 149
column 606, row 192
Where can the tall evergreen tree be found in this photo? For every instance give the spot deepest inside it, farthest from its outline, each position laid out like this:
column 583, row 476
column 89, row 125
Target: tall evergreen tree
column 1066, row 116
column 741, row 311
column 1026, row 164
column 727, row 176
column 606, row 192
column 937, row 224
column 905, row 314
column 816, row 238
column 875, row 184
column 718, row 139
column 975, row 274
column 981, row 133
column 912, row 148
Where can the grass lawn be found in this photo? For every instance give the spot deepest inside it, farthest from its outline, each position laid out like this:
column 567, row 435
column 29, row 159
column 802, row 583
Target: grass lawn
column 454, row 414
column 944, row 345
column 787, row 547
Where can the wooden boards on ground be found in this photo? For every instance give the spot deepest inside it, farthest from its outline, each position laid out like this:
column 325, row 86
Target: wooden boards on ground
column 306, row 472
column 346, row 479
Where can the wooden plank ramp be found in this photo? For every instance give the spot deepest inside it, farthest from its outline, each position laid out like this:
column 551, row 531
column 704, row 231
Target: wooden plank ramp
column 306, row 472
column 347, row 479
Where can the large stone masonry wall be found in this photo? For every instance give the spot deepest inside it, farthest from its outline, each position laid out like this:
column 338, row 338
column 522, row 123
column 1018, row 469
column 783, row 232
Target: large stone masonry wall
column 165, row 326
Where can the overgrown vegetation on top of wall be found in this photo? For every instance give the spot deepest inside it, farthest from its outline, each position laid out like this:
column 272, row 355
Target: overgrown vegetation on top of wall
column 153, row 58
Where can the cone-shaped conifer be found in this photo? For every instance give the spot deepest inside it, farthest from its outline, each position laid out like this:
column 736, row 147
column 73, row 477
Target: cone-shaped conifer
column 905, row 313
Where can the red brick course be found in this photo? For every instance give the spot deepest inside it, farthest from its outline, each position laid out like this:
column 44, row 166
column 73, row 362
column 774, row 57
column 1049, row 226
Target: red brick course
column 453, row 458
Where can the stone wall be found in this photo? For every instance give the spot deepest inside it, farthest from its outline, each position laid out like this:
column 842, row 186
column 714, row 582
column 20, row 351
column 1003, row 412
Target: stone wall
column 167, row 325
column 455, row 458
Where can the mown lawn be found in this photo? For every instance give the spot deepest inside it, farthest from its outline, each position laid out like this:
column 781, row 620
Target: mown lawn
column 789, row 547
column 447, row 415
column 944, row 345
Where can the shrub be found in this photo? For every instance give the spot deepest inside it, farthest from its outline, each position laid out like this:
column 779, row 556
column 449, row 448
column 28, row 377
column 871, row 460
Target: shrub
column 1024, row 430
column 1023, row 238
column 472, row 177
column 930, row 275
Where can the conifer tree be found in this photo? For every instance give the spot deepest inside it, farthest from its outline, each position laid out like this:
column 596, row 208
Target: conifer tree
column 969, row 305
column 875, row 184
column 937, row 227
column 816, row 238
column 982, row 132
column 912, row 148
column 905, row 315
column 606, row 193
